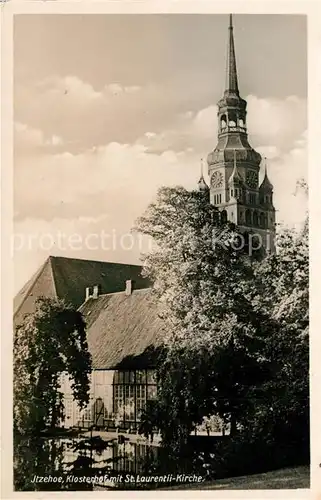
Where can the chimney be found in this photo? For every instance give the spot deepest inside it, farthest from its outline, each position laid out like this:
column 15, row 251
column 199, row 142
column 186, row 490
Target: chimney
column 88, row 295
column 96, row 291
column 129, row 287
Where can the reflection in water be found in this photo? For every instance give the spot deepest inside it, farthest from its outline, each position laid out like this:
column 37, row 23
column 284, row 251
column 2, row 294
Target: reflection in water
column 72, row 459
column 115, row 455
column 75, row 457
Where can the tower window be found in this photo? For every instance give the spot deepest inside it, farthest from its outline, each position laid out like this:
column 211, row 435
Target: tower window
column 232, row 119
column 223, row 216
column 265, row 221
column 220, row 198
column 248, row 218
column 252, row 199
column 223, row 122
column 262, row 220
column 255, row 219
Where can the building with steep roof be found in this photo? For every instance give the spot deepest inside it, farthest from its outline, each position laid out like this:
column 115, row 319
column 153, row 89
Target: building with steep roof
column 125, row 338
column 67, row 278
column 234, row 166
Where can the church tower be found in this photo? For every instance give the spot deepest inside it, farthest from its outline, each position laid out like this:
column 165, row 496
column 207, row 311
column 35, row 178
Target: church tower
column 234, row 166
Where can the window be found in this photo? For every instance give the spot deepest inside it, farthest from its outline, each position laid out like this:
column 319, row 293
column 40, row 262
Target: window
column 262, row 221
column 131, row 390
column 252, row 198
column 223, row 216
column 248, row 218
column 140, row 399
column 68, row 408
column 232, row 119
column 223, row 122
column 151, row 392
column 255, row 219
column 87, row 414
column 151, row 377
column 77, row 413
column 265, row 221
column 217, row 199
column 118, row 397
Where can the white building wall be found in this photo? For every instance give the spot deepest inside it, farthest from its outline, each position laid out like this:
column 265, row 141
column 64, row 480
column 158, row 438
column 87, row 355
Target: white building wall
column 101, row 386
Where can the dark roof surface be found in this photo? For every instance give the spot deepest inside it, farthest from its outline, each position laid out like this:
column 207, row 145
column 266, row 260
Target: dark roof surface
column 67, row 278
column 123, row 331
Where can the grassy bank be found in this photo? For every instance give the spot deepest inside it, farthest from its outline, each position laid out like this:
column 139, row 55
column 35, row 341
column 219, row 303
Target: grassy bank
column 288, row 478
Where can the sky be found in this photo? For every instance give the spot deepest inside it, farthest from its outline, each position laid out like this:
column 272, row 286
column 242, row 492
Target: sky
column 108, row 108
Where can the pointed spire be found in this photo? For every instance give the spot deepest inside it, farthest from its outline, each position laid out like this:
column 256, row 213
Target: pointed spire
column 235, row 176
column 266, row 184
column 231, row 72
column 265, row 166
column 202, row 186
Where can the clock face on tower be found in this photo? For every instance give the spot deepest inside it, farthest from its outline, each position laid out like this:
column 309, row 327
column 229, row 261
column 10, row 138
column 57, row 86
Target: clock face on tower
column 252, row 179
column 217, row 180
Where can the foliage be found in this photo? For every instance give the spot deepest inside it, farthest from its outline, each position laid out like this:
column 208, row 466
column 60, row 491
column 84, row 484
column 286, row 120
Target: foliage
column 205, row 288
column 48, row 343
column 282, row 283
column 237, row 341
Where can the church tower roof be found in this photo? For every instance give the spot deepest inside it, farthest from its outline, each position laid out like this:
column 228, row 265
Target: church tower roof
column 231, row 72
column 236, row 178
column 266, row 184
column 202, row 186
column 232, row 131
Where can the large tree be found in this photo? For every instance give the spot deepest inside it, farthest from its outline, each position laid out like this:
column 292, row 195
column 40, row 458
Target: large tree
column 203, row 282
column 49, row 342
column 282, row 287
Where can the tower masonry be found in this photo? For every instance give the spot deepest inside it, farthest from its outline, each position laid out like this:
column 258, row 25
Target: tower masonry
column 234, row 166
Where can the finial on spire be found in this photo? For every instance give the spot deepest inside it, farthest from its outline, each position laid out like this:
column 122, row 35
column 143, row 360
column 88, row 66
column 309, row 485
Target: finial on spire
column 231, row 74
column 201, row 168
column 266, row 184
column 265, row 166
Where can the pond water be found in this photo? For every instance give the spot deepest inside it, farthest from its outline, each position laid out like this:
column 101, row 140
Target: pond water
column 117, row 454
column 67, row 459
column 71, row 459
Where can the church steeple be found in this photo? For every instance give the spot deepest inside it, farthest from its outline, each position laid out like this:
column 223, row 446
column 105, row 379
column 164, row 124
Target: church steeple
column 232, row 131
column 233, row 165
column 231, row 71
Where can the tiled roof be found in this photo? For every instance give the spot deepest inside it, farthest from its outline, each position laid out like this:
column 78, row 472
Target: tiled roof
column 67, row 278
